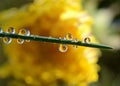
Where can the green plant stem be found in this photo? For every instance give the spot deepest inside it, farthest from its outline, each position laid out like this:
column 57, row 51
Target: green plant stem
column 53, row 40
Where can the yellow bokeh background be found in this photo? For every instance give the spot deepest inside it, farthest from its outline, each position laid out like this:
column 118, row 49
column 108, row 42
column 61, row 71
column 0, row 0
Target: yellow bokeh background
column 42, row 64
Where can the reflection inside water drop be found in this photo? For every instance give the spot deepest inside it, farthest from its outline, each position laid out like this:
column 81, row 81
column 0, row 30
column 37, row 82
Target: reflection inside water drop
column 63, row 47
column 87, row 40
column 69, row 36
column 7, row 40
column 25, row 32
column 11, row 30
column 20, row 41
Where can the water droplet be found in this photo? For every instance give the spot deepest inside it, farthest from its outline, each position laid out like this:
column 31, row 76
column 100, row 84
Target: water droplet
column 64, row 38
column 25, row 32
column 63, row 47
column 11, row 30
column 27, row 40
column 69, row 36
column 1, row 30
column 87, row 40
column 75, row 40
column 60, row 38
column 50, row 36
column 7, row 40
column 20, row 41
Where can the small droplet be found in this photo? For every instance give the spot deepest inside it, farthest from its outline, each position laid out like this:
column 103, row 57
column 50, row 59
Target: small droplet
column 27, row 40
column 20, row 41
column 63, row 47
column 25, row 32
column 75, row 40
column 1, row 30
column 50, row 36
column 69, row 36
column 7, row 40
column 87, row 40
column 64, row 38
column 28, row 79
column 60, row 38
column 11, row 30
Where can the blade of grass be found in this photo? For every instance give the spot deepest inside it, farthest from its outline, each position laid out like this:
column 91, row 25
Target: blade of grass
column 54, row 40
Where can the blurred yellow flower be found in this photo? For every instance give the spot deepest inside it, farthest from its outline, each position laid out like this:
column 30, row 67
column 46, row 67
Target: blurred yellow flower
column 41, row 64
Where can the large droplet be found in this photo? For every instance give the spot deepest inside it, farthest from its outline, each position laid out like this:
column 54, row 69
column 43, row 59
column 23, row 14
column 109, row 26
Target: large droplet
column 1, row 30
column 87, row 40
column 75, row 40
column 7, row 40
column 63, row 47
column 20, row 41
column 69, row 36
column 11, row 30
column 25, row 32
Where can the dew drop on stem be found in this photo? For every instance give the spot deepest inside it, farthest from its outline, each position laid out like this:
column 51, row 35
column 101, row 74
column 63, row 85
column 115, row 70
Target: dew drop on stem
column 63, row 47
column 27, row 40
column 69, row 36
column 59, row 38
column 1, row 30
column 24, row 32
column 20, row 41
column 11, row 30
column 7, row 40
column 87, row 40
column 75, row 40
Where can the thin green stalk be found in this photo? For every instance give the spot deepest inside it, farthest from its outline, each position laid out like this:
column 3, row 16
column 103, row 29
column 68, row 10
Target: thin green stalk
column 53, row 40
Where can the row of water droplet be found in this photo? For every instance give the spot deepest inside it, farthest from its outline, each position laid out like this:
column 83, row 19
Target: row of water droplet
column 68, row 36
column 11, row 30
column 26, row 32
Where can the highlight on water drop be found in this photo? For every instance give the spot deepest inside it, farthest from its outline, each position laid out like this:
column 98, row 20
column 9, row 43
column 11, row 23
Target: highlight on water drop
column 11, row 30
column 20, row 41
column 63, row 47
column 87, row 40
column 69, row 36
column 7, row 40
column 24, row 32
